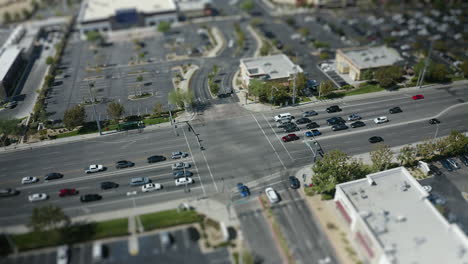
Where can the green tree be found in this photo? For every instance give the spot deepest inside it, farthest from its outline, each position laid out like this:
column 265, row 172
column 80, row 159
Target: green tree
column 180, row 98
column 17, row 16
column 381, row 157
column 26, row 13
column 367, row 75
column 301, row 83
column 435, row 72
column 440, row 45
column 266, row 48
column 74, row 117
column 164, row 26
column 115, row 110
column 215, row 69
column 139, row 78
column 247, row 5
column 257, row 88
column 407, row 156
column 9, row 128
column 464, row 68
column 388, row 76
column 47, row 217
column 214, row 87
column 326, row 88
column 455, row 143
column 6, row 17
column 49, row 60
column 158, row 108
column 94, row 37
column 426, row 149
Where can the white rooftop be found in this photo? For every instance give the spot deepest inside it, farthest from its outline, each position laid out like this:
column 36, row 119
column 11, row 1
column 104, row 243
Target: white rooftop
column 103, row 9
column 372, row 57
column 189, row 5
column 395, row 208
column 7, row 58
column 275, row 66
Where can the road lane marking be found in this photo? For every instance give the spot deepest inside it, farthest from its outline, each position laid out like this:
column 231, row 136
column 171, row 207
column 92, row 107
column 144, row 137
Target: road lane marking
column 194, row 163
column 281, row 141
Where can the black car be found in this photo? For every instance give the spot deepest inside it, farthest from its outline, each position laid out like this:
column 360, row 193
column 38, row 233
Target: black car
column 434, row 121
column 156, row 158
column 464, row 160
column 335, row 121
column 375, row 139
column 279, row 45
column 53, row 176
column 269, row 34
column 108, row 185
column 339, row 127
column 333, row 109
column 123, row 164
column 395, row 110
column 294, row 182
column 312, row 125
column 434, row 170
column 358, row 124
column 291, row 129
column 303, row 120
column 182, row 174
column 6, row 192
column 90, row 198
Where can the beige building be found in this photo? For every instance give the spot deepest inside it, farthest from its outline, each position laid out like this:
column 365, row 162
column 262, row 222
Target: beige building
column 354, row 61
column 391, row 220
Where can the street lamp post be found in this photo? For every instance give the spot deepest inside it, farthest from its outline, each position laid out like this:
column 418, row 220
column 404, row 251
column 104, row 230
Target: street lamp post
column 93, row 100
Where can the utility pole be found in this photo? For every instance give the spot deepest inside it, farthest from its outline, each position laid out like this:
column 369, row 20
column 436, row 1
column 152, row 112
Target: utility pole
column 172, row 121
column 93, row 100
column 426, row 64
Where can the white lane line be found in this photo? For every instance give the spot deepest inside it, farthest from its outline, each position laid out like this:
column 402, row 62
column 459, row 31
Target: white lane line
column 209, row 170
column 281, row 141
column 194, row 163
column 268, row 141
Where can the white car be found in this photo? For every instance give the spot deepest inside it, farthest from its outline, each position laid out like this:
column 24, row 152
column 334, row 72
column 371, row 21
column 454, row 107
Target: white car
column 272, row 195
column 283, row 116
column 62, row 255
column 183, row 181
column 380, row 120
column 94, row 168
column 180, row 165
column 38, row 197
column 27, row 180
column 151, row 187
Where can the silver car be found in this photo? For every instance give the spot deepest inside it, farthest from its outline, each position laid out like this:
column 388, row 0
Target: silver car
column 179, row 155
column 181, row 165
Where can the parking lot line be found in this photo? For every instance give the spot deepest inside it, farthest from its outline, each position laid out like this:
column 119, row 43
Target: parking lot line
column 264, row 117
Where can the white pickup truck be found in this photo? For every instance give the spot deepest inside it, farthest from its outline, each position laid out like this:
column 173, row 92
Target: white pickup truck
column 94, row 168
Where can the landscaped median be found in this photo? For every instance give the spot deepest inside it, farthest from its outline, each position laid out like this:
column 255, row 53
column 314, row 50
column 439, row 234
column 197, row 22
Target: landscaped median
column 169, row 218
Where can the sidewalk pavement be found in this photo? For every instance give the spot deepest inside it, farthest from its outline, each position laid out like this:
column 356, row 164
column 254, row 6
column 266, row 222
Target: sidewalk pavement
column 220, row 43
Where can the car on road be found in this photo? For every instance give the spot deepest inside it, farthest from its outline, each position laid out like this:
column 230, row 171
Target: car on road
column 90, row 198
column 272, row 195
column 434, row 170
column 339, row 127
column 292, row 128
column 108, row 185
column 7, row 192
column 184, row 181
column 94, row 168
column 303, row 120
column 124, row 164
column 395, row 110
column 243, row 190
column 289, row 137
column 333, row 109
column 309, row 113
column 354, row 117
column 179, row 155
column 434, row 121
column 312, row 125
column 67, row 192
column 313, row 133
column 375, row 139
column 155, row 158
column 418, row 97
column 182, row 173
column 53, row 176
column 380, row 120
column 283, row 116
column 29, row 179
column 138, row 181
column 149, row 187
column 464, row 159
column 453, row 163
column 181, row 165
column 38, row 197
column 446, row 165
column 294, row 182
column 284, row 124
column 63, row 254
column 335, row 121
column 357, row 124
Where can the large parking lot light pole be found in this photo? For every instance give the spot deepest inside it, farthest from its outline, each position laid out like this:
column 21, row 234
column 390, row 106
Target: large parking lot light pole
column 93, row 100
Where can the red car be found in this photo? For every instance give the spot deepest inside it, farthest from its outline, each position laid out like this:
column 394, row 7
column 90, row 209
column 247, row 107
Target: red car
column 418, row 96
column 66, row 192
column 290, row 137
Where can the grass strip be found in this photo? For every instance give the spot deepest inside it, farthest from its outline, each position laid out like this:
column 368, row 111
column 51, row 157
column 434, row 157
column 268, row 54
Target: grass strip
column 169, row 218
column 370, row 88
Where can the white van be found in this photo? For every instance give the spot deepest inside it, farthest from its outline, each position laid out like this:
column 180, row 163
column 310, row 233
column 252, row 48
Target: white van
column 98, row 253
column 283, row 116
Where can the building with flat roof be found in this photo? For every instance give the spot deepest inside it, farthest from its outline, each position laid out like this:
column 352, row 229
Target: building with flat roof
column 270, row 68
column 108, row 15
column 392, row 221
column 10, row 64
column 354, row 61
column 193, row 8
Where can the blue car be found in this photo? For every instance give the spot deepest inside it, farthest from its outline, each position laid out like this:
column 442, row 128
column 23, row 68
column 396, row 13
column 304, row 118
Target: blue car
column 243, row 190
column 446, row 165
column 313, row 133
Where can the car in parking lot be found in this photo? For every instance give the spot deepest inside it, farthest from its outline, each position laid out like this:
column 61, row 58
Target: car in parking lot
column 292, row 128
column 179, row 155
column 395, row 110
column 7, row 192
column 418, row 97
column 36, row 197
column 357, row 124
column 90, row 198
column 375, row 139
column 339, row 127
column 67, row 192
column 333, row 109
column 434, row 121
column 294, row 182
column 309, row 113
column 284, row 124
column 354, row 117
column 138, row 181
column 29, row 179
column 446, row 165
column 453, row 163
column 123, row 164
column 335, row 121
column 434, row 170
column 313, row 133
column 53, row 176
column 272, row 195
column 63, row 254
column 283, row 116
column 108, row 185
column 184, row 181
column 182, row 173
column 312, row 125
column 181, row 165
column 149, row 187
column 94, row 168
column 464, row 159
column 289, row 137
column 303, row 120
column 380, row 120
column 155, row 158
column 243, row 190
